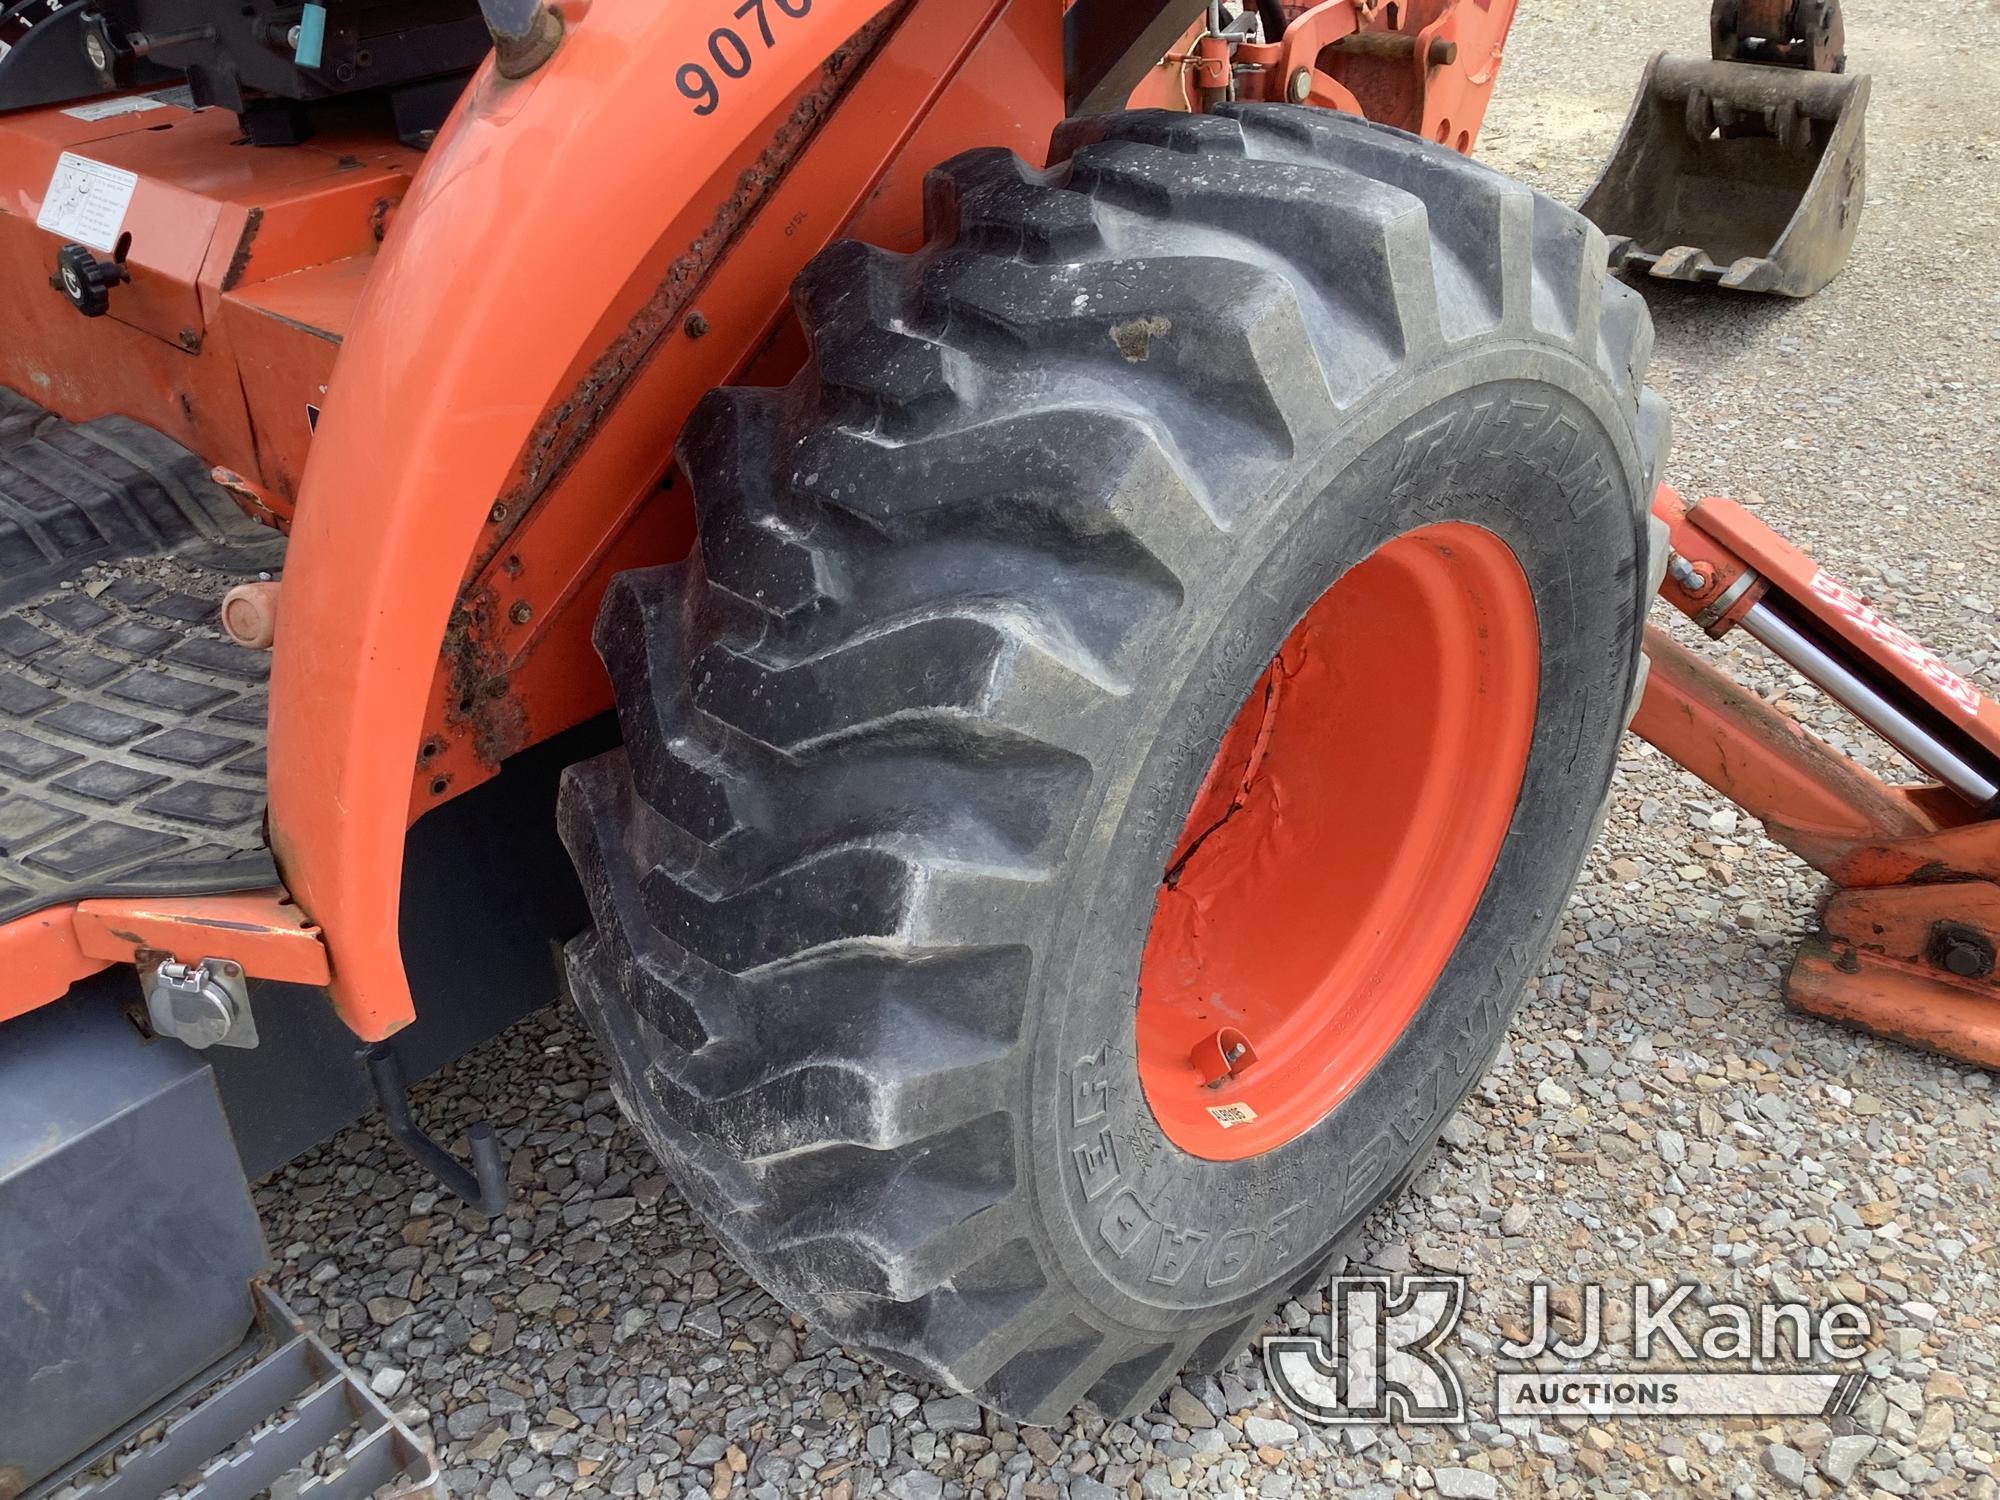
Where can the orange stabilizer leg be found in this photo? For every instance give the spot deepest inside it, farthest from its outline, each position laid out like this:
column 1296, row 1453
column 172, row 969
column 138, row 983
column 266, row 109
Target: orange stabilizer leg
column 1914, row 962
column 1907, row 940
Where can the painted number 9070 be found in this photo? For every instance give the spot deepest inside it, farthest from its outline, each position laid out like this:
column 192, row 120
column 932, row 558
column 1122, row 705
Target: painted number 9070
column 731, row 54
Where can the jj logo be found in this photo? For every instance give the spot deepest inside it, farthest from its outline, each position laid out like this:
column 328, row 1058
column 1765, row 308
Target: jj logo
column 1383, row 1364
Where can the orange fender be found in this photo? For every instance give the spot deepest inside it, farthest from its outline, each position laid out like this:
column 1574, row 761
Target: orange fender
column 521, row 358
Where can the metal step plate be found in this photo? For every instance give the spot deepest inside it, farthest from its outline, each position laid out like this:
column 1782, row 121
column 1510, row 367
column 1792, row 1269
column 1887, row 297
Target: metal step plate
column 131, row 727
column 283, row 1416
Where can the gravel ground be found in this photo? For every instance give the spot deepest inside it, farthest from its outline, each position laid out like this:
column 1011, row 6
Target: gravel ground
column 1658, row 1114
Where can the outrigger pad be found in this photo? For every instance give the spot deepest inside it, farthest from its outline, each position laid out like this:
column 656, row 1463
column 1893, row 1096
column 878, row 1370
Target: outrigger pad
column 131, row 727
column 1742, row 175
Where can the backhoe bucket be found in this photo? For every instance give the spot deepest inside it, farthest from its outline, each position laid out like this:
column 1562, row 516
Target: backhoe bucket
column 1739, row 174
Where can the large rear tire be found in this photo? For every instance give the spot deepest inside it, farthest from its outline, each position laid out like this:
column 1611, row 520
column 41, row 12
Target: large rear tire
column 979, row 609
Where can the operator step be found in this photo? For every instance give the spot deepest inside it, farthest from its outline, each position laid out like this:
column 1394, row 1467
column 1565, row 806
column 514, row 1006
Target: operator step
column 132, row 728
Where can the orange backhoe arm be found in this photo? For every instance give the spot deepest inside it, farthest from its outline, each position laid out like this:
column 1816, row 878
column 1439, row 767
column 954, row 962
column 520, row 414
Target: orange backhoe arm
column 1909, row 939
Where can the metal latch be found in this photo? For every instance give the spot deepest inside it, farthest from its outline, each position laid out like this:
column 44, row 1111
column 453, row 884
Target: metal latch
column 205, row 1004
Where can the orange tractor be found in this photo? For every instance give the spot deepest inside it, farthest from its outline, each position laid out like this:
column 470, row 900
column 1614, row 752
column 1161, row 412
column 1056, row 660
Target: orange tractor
column 1070, row 578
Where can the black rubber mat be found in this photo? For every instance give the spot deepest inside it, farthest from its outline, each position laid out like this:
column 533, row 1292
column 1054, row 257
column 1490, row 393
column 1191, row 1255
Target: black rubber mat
column 131, row 727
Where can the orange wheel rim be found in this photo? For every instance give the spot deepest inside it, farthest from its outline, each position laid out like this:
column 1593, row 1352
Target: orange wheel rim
column 1340, row 842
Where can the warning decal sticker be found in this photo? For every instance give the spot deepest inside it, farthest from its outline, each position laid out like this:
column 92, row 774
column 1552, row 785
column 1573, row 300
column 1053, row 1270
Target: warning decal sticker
column 86, row 201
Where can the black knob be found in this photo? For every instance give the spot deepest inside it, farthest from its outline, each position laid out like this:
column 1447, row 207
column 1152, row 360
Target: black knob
column 107, row 51
column 86, row 280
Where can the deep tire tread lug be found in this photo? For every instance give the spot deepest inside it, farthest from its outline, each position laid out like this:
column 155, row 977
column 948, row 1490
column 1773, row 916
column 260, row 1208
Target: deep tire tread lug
column 864, row 719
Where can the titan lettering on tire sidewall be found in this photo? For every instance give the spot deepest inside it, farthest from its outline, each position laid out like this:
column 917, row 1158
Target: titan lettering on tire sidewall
column 1526, row 444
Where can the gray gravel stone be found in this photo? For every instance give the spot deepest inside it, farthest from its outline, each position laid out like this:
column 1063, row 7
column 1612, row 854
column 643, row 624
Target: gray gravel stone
column 1187, row 1409
column 1266, row 1432
column 538, row 1298
column 708, row 1450
column 1787, row 1465
column 1465, row 1484
column 952, row 1414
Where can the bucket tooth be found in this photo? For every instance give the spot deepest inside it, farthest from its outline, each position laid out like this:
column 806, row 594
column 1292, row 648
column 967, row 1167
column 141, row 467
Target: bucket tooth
column 1685, row 263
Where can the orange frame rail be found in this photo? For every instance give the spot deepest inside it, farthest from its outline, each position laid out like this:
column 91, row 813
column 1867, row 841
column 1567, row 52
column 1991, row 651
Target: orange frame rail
column 44, row 953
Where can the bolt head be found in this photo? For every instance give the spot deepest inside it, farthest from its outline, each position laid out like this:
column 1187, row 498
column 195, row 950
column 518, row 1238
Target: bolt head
column 1967, row 960
column 95, row 50
column 1301, row 86
column 1960, row 949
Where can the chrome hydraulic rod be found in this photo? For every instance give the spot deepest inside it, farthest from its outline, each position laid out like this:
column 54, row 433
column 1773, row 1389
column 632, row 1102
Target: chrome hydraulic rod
column 1873, row 708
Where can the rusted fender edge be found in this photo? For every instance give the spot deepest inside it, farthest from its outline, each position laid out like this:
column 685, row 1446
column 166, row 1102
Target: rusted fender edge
column 513, row 260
